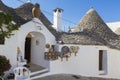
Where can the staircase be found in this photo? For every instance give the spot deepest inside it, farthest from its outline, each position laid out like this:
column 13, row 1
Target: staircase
column 36, row 71
column 35, row 75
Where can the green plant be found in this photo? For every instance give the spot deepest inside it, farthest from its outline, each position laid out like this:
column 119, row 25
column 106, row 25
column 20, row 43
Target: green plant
column 4, row 65
column 11, row 76
column 7, row 26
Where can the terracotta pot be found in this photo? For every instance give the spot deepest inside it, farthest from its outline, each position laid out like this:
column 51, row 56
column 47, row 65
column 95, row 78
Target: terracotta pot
column 36, row 12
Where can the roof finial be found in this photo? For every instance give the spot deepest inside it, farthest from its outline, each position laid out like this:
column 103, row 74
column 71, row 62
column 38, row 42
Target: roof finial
column 92, row 7
column 29, row 1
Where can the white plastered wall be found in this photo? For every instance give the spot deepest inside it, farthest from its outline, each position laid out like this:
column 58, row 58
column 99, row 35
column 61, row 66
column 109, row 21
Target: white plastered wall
column 33, row 27
column 38, row 49
column 113, row 25
column 10, row 48
column 86, row 63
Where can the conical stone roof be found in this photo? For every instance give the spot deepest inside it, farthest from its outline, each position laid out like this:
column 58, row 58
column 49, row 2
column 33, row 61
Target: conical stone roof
column 11, row 11
column 95, row 32
column 93, row 23
column 23, row 14
column 25, row 10
column 4, row 7
column 117, row 31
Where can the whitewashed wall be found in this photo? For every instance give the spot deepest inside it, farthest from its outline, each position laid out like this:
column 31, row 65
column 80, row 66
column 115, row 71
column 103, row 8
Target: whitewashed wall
column 37, row 52
column 87, row 61
column 10, row 48
column 113, row 25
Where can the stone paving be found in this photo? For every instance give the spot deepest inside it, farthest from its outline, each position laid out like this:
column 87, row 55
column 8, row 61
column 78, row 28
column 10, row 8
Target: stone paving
column 71, row 77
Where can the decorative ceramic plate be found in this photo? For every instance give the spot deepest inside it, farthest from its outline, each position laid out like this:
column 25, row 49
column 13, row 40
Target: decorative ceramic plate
column 65, row 50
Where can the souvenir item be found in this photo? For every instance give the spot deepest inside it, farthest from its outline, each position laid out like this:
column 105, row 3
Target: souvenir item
column 74, row 49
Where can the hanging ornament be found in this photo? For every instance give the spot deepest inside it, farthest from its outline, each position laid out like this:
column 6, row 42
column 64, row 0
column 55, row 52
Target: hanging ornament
column 65, row 52
column 74, row 49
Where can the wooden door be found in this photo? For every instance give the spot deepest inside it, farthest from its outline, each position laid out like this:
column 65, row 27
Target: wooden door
column 28, row 50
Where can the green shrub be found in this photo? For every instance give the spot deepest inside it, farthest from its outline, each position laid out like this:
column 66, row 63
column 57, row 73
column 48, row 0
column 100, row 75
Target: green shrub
column 4, row 65
column 7, row 26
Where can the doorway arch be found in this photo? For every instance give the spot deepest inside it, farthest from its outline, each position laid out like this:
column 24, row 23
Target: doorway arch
column 35, row 48
column 28, row 47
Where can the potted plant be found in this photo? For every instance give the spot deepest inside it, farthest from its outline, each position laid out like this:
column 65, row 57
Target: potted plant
column 11, row 76
column 4, row 65
column 7, row 26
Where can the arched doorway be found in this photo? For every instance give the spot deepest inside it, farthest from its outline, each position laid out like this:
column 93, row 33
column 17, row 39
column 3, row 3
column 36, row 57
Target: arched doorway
column 28, row 48
column 35, row 49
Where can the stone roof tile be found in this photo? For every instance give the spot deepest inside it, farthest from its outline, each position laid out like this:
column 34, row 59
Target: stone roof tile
column 23, row 14
column 95, row 32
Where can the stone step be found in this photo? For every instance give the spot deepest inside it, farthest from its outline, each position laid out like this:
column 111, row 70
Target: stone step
column 36, row 74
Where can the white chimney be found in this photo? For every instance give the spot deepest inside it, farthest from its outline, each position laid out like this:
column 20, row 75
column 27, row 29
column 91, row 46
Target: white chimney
column 57, row 21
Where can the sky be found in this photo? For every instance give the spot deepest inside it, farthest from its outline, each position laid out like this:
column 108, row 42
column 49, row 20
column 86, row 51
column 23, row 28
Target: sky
column 74, row 10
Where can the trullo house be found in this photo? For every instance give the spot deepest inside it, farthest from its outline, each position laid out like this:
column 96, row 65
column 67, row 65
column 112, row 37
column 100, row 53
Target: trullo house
column 89, row 49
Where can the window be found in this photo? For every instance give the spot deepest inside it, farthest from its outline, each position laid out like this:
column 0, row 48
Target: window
column 37, row 42
column 100, row 60
column 103, row 61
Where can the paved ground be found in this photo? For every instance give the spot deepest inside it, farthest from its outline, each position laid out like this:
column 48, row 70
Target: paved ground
column 70, row 77
column 34, row 67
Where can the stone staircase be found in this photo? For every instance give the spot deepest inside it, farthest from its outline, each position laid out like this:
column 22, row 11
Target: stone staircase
column 36, row 70
column 35, row 75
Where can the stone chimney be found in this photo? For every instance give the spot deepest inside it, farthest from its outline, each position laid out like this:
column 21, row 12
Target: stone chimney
column 57, row 21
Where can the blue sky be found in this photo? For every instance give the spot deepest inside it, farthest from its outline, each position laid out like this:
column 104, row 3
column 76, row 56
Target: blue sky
column 74, row 10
